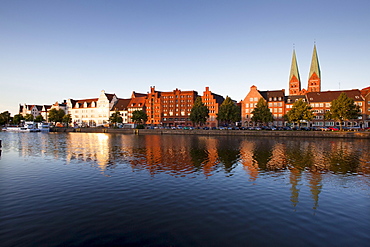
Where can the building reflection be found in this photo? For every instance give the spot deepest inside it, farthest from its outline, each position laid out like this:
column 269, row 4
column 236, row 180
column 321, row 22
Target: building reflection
column 302, row 162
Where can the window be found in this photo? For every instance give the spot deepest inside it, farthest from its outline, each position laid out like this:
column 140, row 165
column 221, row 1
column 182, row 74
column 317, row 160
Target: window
column 255, row 99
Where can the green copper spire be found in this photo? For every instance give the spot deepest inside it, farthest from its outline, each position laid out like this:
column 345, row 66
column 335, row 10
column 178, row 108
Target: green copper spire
column 294, row 69
column 315, row 68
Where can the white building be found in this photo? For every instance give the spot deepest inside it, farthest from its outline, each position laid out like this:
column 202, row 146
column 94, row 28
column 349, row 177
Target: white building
column 92, row 112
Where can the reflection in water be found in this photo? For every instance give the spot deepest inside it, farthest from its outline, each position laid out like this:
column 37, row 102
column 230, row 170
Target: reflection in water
column 303, row 160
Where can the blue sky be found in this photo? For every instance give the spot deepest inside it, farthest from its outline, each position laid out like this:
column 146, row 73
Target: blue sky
column 55, row 50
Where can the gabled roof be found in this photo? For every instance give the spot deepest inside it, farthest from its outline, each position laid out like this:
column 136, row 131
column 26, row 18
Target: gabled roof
column 219, row 99
column 81, row 102
column 121, row 105
column 328, row 96
column 365, row 91
column 315, row 68
column 273, row 94
column 137, row 102
column 290, row 99
column 135, row 94
column 110, row 96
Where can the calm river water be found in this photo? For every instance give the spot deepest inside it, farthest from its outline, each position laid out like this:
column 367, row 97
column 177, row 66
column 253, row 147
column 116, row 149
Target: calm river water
column 81, row 189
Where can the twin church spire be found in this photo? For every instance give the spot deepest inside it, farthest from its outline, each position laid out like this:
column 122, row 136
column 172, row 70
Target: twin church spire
column 314, row 79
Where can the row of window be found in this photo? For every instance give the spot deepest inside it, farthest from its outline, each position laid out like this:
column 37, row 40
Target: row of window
column 177, row 96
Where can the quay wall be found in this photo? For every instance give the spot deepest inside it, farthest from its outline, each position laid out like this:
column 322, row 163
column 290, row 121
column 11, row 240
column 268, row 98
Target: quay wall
column 304, row 134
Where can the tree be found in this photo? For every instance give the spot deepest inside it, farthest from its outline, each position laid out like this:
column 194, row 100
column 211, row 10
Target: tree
column 343, row 108
column 139, row 117
column 115, row 118
column 67, row 119
column 39, row 119
column 229, row 112
column 199, row 113
column 17, row 119
column 29, row 117
column 261, row 113
column 56, row 115
column 300, row 111
column 4, row 117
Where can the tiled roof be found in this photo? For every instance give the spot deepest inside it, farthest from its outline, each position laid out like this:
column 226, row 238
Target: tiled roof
column 328, row 96
column 110, row 96
column 81, row 102
column 134, row 94
column 293, row 98
column 272, row 94
column 121, row 104
column 137, row 102
column 219, row 98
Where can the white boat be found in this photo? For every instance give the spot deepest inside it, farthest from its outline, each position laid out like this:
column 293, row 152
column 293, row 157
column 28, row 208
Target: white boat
column 44, row 127
column 28, row 127
column 20, row 129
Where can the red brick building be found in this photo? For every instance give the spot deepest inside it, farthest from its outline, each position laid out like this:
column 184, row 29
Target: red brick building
column 213, row 102
column 176, row 107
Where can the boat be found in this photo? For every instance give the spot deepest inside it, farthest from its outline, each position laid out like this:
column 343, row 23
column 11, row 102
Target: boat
column 27, row 127
column 44, row 127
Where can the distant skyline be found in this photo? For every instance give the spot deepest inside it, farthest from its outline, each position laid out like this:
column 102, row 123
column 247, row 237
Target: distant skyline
column 55, row 50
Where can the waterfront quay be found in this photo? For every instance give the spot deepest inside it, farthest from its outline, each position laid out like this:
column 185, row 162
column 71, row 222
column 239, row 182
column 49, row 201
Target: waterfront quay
column 262, row 133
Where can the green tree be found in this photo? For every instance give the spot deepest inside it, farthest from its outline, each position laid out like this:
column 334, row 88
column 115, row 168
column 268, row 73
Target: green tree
column 39, row 119
column 4, row 117
column 343, row 108
column 67, row 119
column 199, row 113
column 261, row 113
column 300, row 111
column 139, row 117
column 29, row 117
column 115, row 118
column 56, row 115
column 17, row 119
column 229, row 112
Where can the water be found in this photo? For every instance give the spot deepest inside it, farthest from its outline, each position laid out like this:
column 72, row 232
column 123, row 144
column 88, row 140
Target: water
column 81, row 189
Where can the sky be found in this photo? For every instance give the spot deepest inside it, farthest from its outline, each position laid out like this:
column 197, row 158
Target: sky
column 57, row 50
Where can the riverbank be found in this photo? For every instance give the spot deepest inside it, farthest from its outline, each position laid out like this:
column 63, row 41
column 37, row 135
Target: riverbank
column 304, row 134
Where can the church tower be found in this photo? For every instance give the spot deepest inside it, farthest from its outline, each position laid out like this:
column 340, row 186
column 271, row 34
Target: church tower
column 294, row 79
column 314, row 79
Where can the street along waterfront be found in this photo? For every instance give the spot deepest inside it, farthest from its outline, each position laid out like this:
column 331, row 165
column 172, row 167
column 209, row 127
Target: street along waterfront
column 86, row 189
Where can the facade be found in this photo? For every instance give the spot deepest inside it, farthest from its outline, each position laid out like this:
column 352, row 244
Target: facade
column 34, row 110
column 365, row 92
column 122, row 107
column 92, row 112
column 176, row 107
column 321, row 102
column 213, row 102
column 154, row 107
column 137, row 103
column 275, row 101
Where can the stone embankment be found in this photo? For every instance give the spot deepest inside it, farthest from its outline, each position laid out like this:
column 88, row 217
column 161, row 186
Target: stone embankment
column 302, row 134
